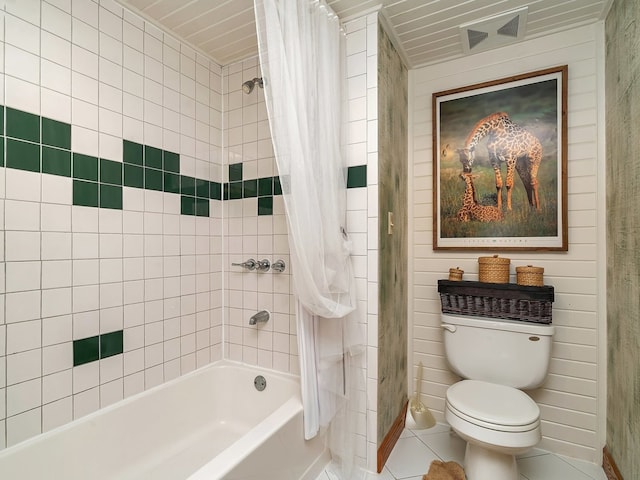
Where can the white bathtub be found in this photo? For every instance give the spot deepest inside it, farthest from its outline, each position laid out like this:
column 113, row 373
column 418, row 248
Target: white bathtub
column 209, row 424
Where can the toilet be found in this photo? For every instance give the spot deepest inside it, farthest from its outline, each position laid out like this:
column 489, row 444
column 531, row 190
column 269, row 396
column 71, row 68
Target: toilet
column 496, row 359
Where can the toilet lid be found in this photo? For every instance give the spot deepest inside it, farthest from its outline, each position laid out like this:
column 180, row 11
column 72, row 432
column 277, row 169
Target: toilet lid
column 492, row 403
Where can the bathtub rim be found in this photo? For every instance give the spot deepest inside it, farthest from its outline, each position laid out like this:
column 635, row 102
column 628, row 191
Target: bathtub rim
column 42, row 437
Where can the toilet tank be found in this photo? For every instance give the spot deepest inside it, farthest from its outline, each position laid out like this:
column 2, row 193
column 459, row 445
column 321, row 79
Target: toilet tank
column 505, row 352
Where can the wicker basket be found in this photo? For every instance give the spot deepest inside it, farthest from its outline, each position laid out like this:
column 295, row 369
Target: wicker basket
column 508, row 301
column 530, row 275
column 493, row 269
column 455, row 274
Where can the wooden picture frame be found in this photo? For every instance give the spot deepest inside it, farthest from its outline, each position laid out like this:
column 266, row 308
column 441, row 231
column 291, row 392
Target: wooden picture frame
column 511, row 133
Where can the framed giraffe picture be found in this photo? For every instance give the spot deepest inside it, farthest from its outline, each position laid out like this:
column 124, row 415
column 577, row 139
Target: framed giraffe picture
column 500, row 164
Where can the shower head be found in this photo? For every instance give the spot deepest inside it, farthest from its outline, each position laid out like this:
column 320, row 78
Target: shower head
column 249, row 85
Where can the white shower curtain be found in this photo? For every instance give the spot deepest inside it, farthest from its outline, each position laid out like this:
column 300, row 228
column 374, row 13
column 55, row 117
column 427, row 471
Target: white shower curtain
column 301, row 56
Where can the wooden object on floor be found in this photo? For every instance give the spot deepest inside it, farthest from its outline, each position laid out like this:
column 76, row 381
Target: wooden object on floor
column 390, row 439
column 609, row 466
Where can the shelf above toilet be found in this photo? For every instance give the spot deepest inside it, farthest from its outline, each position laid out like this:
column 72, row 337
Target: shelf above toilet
column 497, row 300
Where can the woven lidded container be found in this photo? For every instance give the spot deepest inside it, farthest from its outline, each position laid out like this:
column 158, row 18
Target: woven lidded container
column 530, row 275
column 493, row 269
column 455, row 274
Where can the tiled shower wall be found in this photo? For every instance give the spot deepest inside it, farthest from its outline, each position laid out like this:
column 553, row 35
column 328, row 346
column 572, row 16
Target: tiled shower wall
column 110, row 205
column 115, row 230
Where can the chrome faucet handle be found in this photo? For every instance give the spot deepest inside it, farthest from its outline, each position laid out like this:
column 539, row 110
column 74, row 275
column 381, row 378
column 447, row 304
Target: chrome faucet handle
column 278, row 266
column 263, row 265
column 248, row 265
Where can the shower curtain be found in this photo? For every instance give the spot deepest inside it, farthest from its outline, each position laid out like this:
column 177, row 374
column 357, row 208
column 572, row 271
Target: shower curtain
column 301, row 56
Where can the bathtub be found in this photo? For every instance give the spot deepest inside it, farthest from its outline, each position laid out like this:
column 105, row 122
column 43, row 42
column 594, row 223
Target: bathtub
column 210, row 424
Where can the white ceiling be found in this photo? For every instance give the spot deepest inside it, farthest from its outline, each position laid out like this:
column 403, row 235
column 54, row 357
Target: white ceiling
column 427, row 31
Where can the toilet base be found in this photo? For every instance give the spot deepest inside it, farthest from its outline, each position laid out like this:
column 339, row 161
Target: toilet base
column 481, row 464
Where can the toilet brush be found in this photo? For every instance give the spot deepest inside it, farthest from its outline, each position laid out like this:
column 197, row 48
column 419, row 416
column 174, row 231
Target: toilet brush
column 419, row 411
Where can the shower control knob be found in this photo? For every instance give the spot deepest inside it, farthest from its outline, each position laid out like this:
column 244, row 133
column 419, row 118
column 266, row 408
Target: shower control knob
column 263, row 265
column 250, row 264
column 278, row 266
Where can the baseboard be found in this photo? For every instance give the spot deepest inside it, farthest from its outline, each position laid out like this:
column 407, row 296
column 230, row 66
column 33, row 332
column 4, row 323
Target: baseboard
column 391, row 437
column 609, row 466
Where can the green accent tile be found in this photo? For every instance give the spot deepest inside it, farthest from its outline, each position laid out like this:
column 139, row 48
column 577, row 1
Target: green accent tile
column 202, row 188
column 235, row 172
column 110, row 172
column 188, row 186
column 86, row 350
column 23, row 125
column 23, row 155
column 357, row 176
column 235, row 190
column 250, row 188
column 153, row 179
column 110, row 196
column 111, row 344
column 85, row 167
column 133, row 176
column 265, row 206
column 187, row 205
column 56, row 161
column 171, row 162
column 132, row 152
column 215, row 191
column 152, row 157
column 202, row 207
column 56, row 134
column 171, row 182
column 85, row 193
column 277, row 186
column 265, row 186
column 1, row 151
column 1, row 120
column 225, row 191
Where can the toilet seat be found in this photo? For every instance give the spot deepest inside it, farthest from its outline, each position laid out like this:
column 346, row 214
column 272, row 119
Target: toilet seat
column 493, row 406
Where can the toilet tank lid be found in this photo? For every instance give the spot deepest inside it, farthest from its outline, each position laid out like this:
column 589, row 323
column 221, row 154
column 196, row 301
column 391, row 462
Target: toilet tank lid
column 498, row 324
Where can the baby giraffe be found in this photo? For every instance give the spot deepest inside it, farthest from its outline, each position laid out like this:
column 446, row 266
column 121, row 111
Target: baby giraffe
column 471, row 209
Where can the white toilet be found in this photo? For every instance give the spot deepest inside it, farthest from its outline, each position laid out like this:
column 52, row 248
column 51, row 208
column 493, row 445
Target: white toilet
column 496, row 358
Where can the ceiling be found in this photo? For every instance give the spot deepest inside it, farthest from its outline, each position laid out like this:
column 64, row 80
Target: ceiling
column 426, row 31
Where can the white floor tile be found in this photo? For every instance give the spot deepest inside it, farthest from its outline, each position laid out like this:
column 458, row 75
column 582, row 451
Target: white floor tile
column 594, row 471
column 410, row 458
column 549, row 467
column 446, row 445
column 416, row 449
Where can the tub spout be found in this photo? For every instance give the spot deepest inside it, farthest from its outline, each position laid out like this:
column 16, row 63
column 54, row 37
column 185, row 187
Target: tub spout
column 261, row 317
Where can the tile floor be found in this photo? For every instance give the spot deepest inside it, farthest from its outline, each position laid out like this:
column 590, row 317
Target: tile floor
column 412, row 455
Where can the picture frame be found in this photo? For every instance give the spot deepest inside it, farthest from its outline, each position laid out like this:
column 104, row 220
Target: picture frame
column 509, row 133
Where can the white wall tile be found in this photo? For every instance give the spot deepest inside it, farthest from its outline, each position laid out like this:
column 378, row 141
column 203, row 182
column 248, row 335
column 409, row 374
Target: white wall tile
column 23, row 426
column 84, row 61
column 58, row 358
column 57, row 413
column 87, row 11
column 56, row 21
column 21, row 64
column 84, row 35
column 110, row 22
column 23, row 367
column 23, row 336
column 22, row 34
column 56, row 273
column 56, row 330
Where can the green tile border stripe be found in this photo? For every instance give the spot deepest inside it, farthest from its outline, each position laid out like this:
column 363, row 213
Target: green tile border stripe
column 40, row 144
column 90, row 349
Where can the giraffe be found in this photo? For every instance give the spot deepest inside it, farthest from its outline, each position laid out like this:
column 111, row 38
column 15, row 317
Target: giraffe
column 511, row 144
column 471, row 209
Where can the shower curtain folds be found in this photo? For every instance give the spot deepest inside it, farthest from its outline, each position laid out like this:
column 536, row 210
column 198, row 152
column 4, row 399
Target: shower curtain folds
column 301, row 57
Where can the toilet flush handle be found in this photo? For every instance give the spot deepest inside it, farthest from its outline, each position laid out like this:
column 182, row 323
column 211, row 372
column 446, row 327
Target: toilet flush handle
column 450, row 328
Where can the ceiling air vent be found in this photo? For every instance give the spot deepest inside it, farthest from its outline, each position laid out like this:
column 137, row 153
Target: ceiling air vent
column 494, row 32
